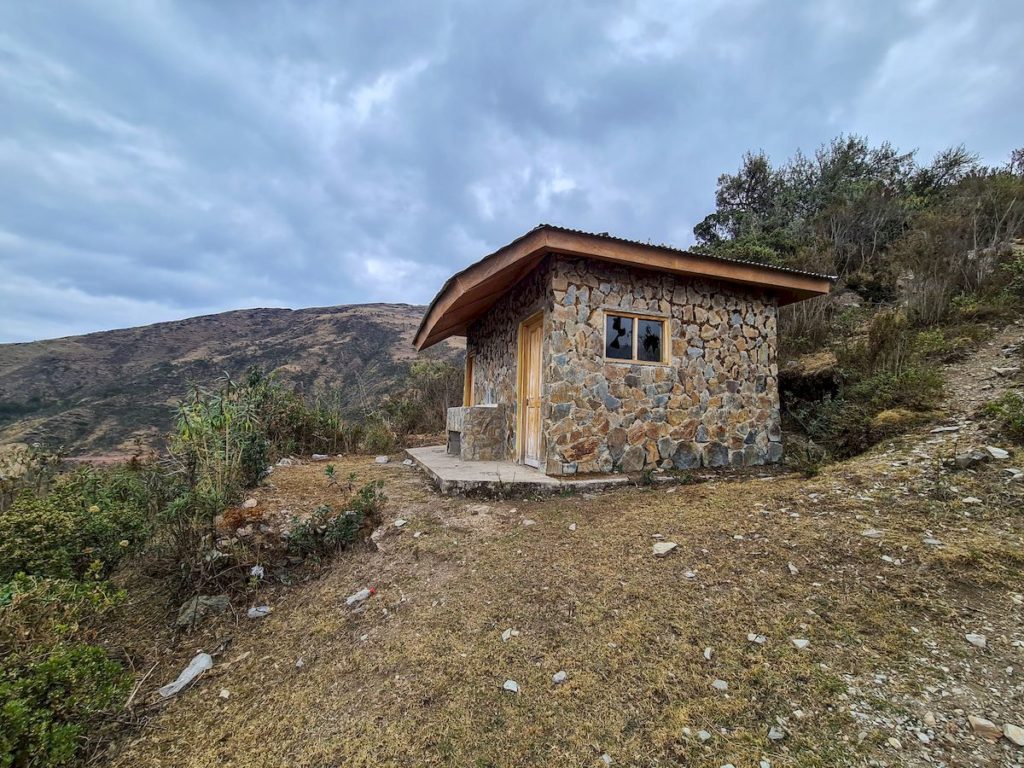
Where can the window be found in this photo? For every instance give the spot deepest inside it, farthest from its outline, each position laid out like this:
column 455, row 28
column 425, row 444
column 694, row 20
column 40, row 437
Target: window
column 634, row 338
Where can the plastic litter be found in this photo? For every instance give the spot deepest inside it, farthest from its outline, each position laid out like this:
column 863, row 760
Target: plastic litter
column 257, row 571
column 363, row 594
column 199, row 664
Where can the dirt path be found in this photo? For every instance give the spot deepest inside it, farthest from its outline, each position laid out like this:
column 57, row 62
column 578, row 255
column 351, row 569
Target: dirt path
column 883, row 564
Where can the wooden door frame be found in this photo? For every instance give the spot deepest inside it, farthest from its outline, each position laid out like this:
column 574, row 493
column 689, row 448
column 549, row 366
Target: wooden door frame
column 537, row 316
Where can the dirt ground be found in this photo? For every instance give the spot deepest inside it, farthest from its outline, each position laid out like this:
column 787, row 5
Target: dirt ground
column 882, row 564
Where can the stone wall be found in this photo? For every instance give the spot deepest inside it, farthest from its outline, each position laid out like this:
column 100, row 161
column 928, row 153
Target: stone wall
column 715, row 403
column 494, row 340
column 484, row 434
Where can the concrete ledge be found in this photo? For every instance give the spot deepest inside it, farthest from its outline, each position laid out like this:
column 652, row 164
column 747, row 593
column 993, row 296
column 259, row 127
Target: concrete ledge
column 455, row 477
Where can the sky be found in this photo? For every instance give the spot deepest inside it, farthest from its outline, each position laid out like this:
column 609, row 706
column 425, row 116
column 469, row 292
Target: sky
column 163, row 160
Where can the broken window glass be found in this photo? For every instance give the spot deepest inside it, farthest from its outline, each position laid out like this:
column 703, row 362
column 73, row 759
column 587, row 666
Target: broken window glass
column 648, row 340
column 618, row 340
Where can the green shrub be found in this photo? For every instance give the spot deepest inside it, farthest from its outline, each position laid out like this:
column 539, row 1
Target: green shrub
column 87, row 517
column 1008, row 411
column 29, row 468
column 326, row 531
column 379, row 437
column 50, row 699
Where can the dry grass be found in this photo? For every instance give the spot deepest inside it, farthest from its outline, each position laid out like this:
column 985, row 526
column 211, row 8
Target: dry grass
column 424, row 686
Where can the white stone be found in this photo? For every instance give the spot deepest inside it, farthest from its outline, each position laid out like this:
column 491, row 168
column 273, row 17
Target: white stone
column 720, row 685
column 929, row 719
column 1014, row 733
column 872, row 533
column 559, row 677
column 511, row 686
column 606, row 759
column 662, row 548
column 400, row 523
column 776, row 734
column 978, row 641
column 758, row 639
column 972, row 500
column 800, row 642
column 703, row 735
column 529, row 522
column 382, row 460
column 508, row 634
column 793, row 569
column 249, row 503
column 708, row 653
column 893, row 742
column 408, row 462
column 997, row 453
column 225, row 693
column 572, row 526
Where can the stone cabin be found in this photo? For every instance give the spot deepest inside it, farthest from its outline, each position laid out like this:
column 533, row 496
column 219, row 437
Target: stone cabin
column 587, row 353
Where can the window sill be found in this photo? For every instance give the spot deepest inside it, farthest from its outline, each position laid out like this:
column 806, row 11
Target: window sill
column 619, row 361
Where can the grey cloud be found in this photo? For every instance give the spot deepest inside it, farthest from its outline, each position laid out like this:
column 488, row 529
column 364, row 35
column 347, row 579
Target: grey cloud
column 160, row 160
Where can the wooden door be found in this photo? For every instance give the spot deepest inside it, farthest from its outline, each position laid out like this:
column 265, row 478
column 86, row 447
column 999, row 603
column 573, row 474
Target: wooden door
column 531, row 336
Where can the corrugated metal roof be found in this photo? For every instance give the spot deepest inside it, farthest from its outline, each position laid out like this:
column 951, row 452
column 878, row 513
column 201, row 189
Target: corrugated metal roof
column 612, row 238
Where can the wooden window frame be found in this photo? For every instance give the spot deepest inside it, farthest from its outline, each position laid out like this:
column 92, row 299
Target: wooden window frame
column 636, row 317
column 467, row 387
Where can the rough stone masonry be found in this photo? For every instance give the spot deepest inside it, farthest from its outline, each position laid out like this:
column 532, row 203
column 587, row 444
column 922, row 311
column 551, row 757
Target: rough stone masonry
column 713, row 403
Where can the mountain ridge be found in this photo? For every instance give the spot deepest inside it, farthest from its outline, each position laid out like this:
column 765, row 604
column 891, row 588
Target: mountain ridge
column 111, row 390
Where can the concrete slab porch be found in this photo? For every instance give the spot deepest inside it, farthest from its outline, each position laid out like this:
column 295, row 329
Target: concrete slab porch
column 454, row 477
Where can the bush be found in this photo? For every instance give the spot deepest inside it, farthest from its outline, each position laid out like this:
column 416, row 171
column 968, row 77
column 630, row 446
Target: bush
column 50, row 698
column 379, row 437
column 325, row 531
column 1008, row 411
column 29, row 468
column 87, row 517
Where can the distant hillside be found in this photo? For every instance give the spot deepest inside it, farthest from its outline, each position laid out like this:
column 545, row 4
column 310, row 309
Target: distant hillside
column 103, row 391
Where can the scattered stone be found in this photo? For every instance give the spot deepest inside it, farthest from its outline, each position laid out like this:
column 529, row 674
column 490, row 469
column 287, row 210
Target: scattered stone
column 528, row 522
column 401, row 523
column 357, row 597
column 978, row 641
column 259, row 611
column 929, row 719
column 703, row 735
column 985, row 728
column 320, row 457
column 1014, row 733
column 606, row 759
column 872, row 533
column 776, row 734
column 508, row 634
column 559, row 677
column 997, row 453
column 764, row 764
column 572, row 526
column 720, row 685
column 662, row 548
column 690, row 575
column 893, row 742
column 224, row 693
column 1016, row 475
column 972, row 500
column 201, row 606
column 757, row 639
column 382, row 460
column 800, row 642
column 939, row 430
column 1007, row 371
column 932, row 542
column 708, row 653
column 249, row 503
column 285, row 462
column 971, row 459
column 511, row 686
column 408, row 462
column 299, row 663
column 793, row 569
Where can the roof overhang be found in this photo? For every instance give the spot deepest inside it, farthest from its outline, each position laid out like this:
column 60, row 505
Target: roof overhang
column 468, row 294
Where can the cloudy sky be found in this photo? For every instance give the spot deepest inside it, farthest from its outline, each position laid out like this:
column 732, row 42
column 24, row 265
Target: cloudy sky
column 160, row 160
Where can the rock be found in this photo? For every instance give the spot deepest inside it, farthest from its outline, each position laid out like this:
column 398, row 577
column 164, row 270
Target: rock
column 893, row 742
column 978, row 641
column 249, row 503
column 764, row 764
column 572, row 526
column 201, row 606
column 286, row 462
column 508, row 634
column 872, row 533
column 1007, row 371
column 971, row 458
column 703, row 735
column 408, row 462
column 606, row 759
column 511, row 686
column 985, row 728
column 776, row 734
column 793, row 569
column 708, row 652
column 320, row 457
column 720, row 685
column 662, row 548
column 401, row 523
column 381, row 460
column 758, row 639
column 997, row 453
column 224, row 693
column 559, row 677
column 939, row 430
column 1014, row 733
column 528, row 522
column 259, row 611
column 799, row 642
column 972, row 500
column 1016, row 475
column 929, row 719
column 932, row 542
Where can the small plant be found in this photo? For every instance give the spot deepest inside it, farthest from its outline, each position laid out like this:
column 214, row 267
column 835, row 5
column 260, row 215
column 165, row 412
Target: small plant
column 332, row 477
column 1008, row 411
column 327, row 531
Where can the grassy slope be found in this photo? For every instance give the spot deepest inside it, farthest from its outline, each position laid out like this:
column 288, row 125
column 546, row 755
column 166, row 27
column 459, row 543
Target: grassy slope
column 424, row 687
